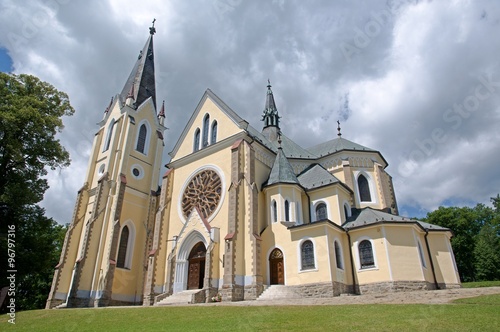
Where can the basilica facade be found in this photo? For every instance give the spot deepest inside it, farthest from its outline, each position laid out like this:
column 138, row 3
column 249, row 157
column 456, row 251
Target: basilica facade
column 239, row 210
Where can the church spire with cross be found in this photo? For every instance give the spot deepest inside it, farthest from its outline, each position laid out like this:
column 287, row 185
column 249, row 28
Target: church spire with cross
column 142, row 77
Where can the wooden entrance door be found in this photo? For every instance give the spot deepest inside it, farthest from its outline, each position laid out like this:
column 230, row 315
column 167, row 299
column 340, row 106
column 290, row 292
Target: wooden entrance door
column 277, row 269
column 196, row 269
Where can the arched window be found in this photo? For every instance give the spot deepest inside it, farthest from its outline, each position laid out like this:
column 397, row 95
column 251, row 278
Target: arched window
column 141, row 138
column 366, row 254
column 347, row 213
column 307, row 255
column 421, row 254
column 122, row 248
column 321, row 212
column 196, row 144
column 364, row 189
column 338, row 255
column 287, row 210
column 274, row 211
column 206, row 123
column 213, row 138
column 108, row 136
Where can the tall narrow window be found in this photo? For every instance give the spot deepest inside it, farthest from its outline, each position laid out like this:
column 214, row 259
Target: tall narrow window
column 122, row 249
column 364, row 189
column 338, row 256
column 141, row 139
column 196, row 144
column 421, row 254
column 287, row 210
column 213, row 138
column 307, row 255
column 346, row 211
column 274, row 211
column 366, row 254
column 321, row 212
column 109, row 136
column 206, row 124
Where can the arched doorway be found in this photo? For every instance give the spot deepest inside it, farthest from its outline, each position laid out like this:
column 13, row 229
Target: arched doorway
column 276, row 267
column 196, row 270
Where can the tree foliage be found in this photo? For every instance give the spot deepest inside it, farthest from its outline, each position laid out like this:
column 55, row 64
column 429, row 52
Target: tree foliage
column 476, row 238
column 30, row 118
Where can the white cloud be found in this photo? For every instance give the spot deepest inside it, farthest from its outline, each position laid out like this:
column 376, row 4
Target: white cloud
column 419, row 61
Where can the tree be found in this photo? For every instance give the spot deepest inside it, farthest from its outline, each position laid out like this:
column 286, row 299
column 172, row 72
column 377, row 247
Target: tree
column 30, row 118
column 476, row 238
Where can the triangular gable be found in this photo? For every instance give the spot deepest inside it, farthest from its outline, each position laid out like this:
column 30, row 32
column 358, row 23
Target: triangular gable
column 196, row 222
column 222, row 107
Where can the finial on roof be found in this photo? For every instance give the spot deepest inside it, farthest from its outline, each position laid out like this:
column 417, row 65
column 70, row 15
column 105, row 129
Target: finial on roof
column 338, row 128
column 162, row 111
column 152, row 29
column 270, row 116
column 109, row 106
column 279, row 140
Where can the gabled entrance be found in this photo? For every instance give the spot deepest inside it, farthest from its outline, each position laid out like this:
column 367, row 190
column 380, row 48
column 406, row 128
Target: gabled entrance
column 196, row 269
column 276, row 267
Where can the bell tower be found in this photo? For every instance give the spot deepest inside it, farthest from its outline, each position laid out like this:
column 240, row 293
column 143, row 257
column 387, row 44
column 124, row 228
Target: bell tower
column 106, row 246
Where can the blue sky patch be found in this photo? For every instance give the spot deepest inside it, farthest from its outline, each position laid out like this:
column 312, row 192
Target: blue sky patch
column 5, row 61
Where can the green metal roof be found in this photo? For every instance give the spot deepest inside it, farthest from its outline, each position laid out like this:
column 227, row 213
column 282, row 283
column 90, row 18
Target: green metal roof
column 369, row 216
column 315, row 177
column 282, row 171
column 335, row 145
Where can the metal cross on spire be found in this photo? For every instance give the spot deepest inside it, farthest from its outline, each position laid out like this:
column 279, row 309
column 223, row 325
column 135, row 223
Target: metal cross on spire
column 152, row 29
column 338, row 128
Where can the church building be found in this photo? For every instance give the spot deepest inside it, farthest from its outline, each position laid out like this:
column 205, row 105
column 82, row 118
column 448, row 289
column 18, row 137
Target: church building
column 239, row 211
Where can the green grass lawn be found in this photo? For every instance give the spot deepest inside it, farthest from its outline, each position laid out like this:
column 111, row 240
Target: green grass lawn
column 473, row 314
column 476, row 284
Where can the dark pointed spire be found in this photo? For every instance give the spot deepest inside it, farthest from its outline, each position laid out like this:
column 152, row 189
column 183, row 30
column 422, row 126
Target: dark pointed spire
column 270, row 117
column 162, row 111
column 142, row 76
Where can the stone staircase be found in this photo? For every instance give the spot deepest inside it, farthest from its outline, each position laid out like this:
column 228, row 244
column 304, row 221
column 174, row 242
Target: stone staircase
column 275, row 292
column 184, row 297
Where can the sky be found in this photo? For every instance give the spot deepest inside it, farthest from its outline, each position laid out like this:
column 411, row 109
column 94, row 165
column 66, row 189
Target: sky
column 417, row 80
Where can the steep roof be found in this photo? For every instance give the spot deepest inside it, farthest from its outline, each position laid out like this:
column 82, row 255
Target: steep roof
column 368, row 216
column 142, row 76
column 336, row 145
column 316, row 176
column 282, row 171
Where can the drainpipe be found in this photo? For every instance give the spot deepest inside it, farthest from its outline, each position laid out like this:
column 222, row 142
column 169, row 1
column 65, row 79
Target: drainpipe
column 430, row 259
column 352, row 262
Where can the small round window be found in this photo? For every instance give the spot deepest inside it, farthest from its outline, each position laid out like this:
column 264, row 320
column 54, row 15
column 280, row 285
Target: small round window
column 137, row 171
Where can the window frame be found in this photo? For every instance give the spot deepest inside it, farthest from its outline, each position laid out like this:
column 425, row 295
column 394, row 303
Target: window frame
column 339, row 257
column 147, row 137
column 109, row 135
column 309, row 266
column 366, row 190
column 213, row 132
column 206, row 129
column 129, row 249
column 363, row 266
column 316, row 214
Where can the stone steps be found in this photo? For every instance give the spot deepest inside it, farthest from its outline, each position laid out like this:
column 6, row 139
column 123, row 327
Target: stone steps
column 183, row 297
column 279, row 292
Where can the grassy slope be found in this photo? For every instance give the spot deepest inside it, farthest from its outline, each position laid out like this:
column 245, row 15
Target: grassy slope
column 480, row 313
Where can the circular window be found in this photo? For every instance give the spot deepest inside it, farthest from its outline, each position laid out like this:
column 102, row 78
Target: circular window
column 202, row 192
column 137, row 171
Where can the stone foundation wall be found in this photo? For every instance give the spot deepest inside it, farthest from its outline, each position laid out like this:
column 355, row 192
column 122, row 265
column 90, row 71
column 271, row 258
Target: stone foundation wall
column 53, row 303
column 394, row 286
column 232, row 293
column 252, row 292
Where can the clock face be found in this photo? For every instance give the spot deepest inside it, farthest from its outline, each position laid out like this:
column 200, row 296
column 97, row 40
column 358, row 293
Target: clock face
column 202, row 192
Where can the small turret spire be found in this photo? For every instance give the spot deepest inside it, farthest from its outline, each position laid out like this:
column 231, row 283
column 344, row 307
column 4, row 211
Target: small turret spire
column 270, row 117
column 109, row 106
column 162, row 111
